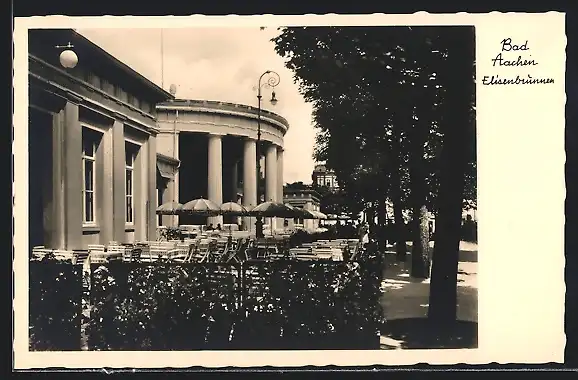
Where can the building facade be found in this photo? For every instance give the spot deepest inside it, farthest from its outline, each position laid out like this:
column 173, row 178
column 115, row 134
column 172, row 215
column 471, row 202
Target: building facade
column 322, row 176
column 218, row 141
column 304, row 199
column 92, row 133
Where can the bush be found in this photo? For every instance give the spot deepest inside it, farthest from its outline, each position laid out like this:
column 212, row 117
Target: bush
column 307, row 305
column 279, row 305
column 160, row 307
column 167, row 306
column 55, row 294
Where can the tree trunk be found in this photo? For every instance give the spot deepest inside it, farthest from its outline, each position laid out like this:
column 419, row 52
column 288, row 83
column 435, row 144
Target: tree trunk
column 399, row 225
column 420, row 258
column 420, row 230
column 381, row 219
column 400, row 246
column 458, row 132
column 420, row 263
column 371, row 222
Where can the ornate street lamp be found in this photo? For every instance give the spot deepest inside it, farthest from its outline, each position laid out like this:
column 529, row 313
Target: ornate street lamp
column 272, row 80
column 68, row 58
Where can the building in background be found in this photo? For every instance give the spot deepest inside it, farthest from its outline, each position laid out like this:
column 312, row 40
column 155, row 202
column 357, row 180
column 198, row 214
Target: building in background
column 322, row 176
column 307, row 199
column 92, row 132
column 216, row 145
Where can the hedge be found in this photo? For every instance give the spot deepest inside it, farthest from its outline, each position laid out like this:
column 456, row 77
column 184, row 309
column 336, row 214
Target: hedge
column 166, row 306
column 55, row 296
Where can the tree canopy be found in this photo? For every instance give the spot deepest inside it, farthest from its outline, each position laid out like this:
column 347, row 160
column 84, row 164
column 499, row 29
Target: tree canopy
column 370, row 89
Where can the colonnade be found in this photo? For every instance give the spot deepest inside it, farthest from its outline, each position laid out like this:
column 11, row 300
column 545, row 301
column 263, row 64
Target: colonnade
column 273, row 174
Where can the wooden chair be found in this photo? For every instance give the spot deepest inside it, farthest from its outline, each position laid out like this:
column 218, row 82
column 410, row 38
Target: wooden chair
column 39, row 252
column 116, row 252
column 61, row 254
column 97, row 256
column 177, row 254
column 80, row 257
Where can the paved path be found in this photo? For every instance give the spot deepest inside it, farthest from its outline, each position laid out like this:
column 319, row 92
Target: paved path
column 404, row 297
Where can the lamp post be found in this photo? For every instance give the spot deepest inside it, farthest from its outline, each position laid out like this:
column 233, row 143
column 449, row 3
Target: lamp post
column 68, row 58
column 271, row 81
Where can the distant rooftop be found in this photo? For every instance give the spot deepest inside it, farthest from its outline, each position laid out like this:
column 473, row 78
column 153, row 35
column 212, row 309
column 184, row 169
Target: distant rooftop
column 321, row 168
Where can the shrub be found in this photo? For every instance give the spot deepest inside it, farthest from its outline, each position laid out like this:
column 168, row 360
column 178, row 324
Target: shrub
column 55, row 293
column 167, row 306
column 279, row 305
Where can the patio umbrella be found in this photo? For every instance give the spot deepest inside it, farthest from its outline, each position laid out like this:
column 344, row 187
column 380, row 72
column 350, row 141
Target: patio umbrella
column 169, row 208
column 307, row 214
column 319, row 214
column 232, row 208
column 201, row 206
column 273, row 209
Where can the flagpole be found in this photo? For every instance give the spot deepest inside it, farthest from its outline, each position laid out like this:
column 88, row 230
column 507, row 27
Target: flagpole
column 162, row 62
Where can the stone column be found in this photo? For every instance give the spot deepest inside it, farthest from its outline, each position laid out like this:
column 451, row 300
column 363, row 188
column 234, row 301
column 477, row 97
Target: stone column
column 271, row 174
column 118, row 175
column 280, row 174
column 249, row 180
column 271, row 184
column 280, row 182
column 106, row 217
column 215, row 174
column 58, row 238
column 72, row 176
column 151, row 187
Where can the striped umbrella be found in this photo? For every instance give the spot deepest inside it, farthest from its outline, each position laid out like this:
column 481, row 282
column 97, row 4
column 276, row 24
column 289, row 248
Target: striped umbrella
column 169, row 208
column 201, row 206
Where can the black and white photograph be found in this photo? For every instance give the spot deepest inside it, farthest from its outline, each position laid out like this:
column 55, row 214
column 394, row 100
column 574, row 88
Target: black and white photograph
column 242, row 188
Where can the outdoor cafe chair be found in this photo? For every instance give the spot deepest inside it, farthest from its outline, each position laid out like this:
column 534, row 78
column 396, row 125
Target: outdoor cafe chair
column 80, row 257
column 116, row 252
column 177, row 254
column 96, row 247
column 155, row 254
column 61, row 254
column 135, row 254
column 39, row 252
column 97, row 257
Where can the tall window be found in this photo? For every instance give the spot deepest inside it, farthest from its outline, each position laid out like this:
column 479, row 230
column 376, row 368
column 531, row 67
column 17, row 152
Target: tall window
column 131, row 151
column 90, row 140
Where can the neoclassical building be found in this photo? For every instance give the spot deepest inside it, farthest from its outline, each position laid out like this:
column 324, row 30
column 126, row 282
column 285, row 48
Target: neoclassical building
column 322, row 176
column 216, row 145
column 306, row 199
column 92, row 135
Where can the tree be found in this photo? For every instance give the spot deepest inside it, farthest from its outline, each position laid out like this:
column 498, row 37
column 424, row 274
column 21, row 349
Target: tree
column 458, row 127
column 298, row 186
column 380, row 94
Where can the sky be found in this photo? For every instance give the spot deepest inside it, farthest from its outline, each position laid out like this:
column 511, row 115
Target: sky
column 222, row 64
